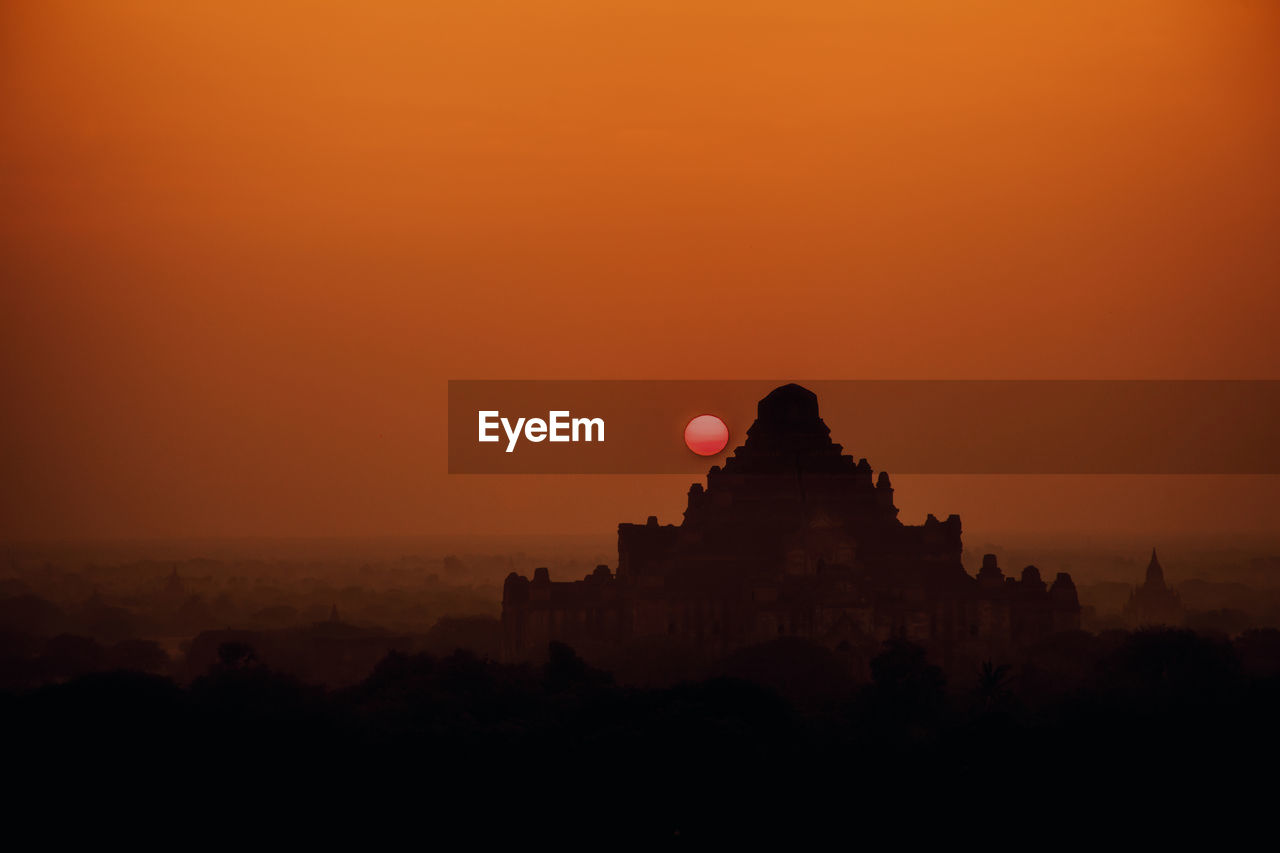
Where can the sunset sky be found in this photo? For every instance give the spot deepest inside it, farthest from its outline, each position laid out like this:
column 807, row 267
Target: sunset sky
column 245, row 244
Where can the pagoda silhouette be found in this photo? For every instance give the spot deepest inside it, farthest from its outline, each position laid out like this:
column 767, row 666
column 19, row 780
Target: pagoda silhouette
column 791, row 538
column 1154, row 603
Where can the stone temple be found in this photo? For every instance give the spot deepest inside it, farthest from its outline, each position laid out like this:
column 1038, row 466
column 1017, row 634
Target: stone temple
column 791, row 538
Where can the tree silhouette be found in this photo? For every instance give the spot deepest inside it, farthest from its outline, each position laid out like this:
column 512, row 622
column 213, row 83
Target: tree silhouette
column 993, row 685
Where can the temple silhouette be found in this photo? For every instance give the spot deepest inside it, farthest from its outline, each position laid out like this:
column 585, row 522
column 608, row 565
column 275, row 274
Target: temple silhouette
column 1154, row 603
column 791, row 538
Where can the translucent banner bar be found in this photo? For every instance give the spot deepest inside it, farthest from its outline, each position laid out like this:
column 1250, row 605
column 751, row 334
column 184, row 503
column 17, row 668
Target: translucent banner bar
column 902, row 426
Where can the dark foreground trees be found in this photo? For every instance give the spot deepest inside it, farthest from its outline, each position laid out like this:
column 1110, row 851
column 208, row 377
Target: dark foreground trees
column 1160, row 714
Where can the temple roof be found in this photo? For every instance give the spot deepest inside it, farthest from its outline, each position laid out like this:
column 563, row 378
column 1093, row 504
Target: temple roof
column 788, row 404
column 788, row 432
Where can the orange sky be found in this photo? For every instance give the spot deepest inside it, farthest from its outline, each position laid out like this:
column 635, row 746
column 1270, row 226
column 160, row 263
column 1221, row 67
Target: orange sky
column 245, row 244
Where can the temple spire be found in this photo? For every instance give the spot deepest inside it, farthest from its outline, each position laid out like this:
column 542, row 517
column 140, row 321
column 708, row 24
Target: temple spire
column 1155, row 573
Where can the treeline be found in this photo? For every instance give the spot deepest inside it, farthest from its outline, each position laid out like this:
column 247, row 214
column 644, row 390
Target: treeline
column 1167, row 713
column 330, row 652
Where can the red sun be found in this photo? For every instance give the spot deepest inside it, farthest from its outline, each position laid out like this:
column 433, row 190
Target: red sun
column 706, row 435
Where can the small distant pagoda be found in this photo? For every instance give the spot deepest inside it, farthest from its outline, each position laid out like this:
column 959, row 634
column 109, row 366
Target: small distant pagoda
column 1155, row 602
column 173, row 584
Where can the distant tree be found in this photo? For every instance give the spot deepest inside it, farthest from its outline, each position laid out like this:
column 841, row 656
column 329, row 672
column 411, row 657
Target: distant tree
column 30, row 614
column 1170, row 665
column 905, row 682
column 481, row 635
column 803, row 672
column 564, row 669
column 236, row 655
column 1259, row 652
column 993, row 685
column 67, row 656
